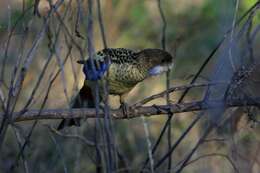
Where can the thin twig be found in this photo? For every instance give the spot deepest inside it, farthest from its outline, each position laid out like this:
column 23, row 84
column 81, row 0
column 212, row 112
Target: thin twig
column 178, row 141
column 42, row 105
column 98, row 124
column 213, row 155
column 203, row 136
column 176, row 88
column 29, row 58
column 60, row 153
column 74, row 136
column 149, row 144
column 163, row 43
column 109, row 132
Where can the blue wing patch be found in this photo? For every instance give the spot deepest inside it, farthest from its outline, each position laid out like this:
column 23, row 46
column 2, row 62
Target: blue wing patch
column 96, row 71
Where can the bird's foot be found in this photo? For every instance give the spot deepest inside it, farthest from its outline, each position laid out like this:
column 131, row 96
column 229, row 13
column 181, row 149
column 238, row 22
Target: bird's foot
column 125, row 109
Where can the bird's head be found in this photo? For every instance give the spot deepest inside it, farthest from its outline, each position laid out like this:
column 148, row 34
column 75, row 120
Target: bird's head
column 156, row 60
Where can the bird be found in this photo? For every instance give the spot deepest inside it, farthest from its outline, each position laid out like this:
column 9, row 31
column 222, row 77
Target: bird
column 125, row 68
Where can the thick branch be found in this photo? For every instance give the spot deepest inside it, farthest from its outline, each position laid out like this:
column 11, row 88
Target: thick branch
column 133, row 111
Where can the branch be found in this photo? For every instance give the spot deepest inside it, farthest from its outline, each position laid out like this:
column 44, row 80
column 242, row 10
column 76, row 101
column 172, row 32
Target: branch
column 177, row 88
column 133, row 111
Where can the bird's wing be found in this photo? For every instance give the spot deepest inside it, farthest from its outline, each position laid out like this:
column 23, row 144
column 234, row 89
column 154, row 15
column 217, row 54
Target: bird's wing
column 121, row 58
column 118, row 55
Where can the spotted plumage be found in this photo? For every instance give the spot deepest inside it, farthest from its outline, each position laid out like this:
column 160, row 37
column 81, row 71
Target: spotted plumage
column 119, row 55
column 125, row 69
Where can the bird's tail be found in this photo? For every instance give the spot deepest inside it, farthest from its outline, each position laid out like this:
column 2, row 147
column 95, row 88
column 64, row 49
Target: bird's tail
column 84, row 99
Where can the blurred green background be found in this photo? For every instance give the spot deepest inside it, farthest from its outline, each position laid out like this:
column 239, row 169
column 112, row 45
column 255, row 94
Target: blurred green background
column 196, row 26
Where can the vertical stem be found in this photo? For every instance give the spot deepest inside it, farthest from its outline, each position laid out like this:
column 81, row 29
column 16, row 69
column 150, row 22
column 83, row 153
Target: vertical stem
column 108, row 122
column 90, row 49
column 163, row 43
column 231, row 37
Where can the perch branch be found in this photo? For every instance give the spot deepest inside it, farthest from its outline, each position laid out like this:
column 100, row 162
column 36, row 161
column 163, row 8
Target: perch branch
column 133, row 111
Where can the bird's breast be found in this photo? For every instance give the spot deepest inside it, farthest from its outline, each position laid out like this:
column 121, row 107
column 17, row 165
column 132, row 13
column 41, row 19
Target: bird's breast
column 123, row 77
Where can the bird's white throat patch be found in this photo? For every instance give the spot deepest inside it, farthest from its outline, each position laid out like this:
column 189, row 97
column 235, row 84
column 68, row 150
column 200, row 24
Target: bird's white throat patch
column 159, row 69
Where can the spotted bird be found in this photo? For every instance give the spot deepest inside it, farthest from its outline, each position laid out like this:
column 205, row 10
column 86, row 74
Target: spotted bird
column 125, row 68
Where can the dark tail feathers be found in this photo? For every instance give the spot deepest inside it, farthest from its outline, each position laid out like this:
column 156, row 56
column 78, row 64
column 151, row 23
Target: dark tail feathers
column 84, row 99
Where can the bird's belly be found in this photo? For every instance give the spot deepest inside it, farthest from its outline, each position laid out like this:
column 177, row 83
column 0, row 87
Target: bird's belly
column 123, row 77
column 118, row 88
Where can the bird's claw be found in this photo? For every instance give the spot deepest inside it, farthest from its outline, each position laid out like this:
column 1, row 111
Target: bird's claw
column 125, row 109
